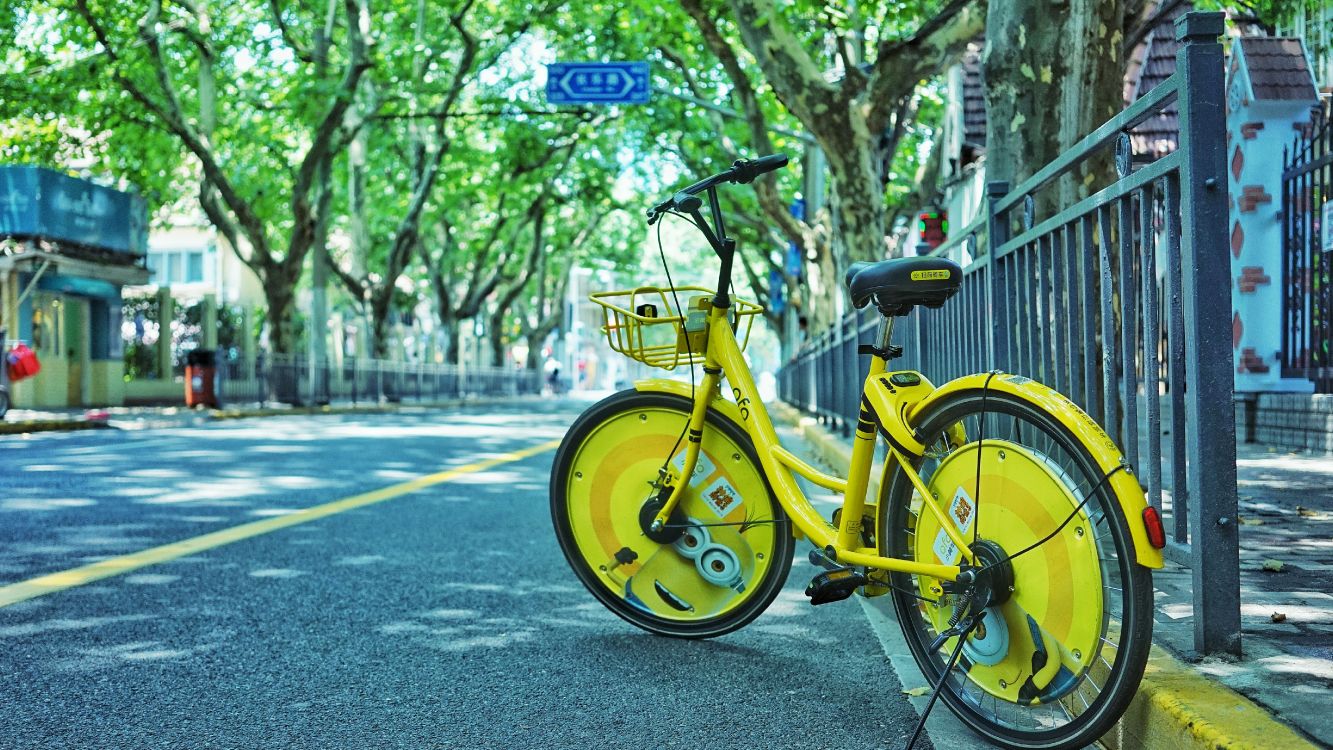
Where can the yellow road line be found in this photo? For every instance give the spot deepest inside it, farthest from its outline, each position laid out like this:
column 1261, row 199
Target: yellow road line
column 52, row 582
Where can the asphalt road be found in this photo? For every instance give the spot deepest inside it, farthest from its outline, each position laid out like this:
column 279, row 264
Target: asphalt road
column 444, row 618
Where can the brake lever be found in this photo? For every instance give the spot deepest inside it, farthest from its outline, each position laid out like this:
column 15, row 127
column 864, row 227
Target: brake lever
column 656, row 212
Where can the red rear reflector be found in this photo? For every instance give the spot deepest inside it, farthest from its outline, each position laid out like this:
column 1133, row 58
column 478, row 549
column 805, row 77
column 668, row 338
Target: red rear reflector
column 1152, row 522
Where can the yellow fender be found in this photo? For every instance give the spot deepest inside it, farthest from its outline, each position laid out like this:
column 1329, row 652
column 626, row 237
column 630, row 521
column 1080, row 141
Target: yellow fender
column 1103, row 449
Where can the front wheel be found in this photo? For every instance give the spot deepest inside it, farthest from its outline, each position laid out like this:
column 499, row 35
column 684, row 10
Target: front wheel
column 1056, row 662
column 732, row 545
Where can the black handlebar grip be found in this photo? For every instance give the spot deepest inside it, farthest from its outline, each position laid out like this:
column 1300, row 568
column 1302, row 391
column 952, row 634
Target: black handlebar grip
column 745, row 171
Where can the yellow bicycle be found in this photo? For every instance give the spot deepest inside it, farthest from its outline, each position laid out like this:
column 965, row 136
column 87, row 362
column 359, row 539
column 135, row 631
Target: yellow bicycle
column 1010, row 534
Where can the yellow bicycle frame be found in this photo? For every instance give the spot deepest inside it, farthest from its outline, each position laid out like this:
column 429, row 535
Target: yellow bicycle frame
column 896, row 408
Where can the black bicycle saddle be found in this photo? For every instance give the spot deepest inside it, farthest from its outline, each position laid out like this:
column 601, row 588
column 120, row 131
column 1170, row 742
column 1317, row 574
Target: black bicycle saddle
column 899, row 284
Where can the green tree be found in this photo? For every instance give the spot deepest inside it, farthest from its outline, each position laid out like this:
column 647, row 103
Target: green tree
column 424, row 74
column 858, row 104
column 260, row 97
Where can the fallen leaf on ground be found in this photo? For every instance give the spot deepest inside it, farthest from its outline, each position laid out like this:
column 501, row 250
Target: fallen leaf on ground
column 917, row 692
column 1306, row 512
column 1274, row 566
column 1251, row 521
column 1278, row 617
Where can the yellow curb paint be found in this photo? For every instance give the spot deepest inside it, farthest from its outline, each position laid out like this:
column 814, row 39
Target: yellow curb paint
column 53, row 582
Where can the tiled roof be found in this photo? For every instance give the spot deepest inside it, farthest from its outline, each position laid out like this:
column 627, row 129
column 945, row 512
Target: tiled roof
column 1277, row 69
column 1158, row 135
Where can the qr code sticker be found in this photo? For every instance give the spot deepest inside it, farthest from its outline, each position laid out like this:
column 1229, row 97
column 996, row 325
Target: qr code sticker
column 721, row 497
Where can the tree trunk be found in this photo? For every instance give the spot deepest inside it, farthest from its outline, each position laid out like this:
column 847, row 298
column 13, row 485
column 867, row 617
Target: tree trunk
column 1093, row 91
column 1022, row 82
column 281, row 315
column 495, row 337
column 379, row 326
column 449, row 332
column 1053, row 71
column 535, row 341
column 857, row 203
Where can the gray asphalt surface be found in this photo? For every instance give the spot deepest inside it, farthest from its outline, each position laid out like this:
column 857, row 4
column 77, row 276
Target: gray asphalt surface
column 442, row 619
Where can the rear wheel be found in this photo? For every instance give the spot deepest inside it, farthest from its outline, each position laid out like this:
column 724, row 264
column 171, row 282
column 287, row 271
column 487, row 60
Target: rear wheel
column 1057, row 662
column 730, row 547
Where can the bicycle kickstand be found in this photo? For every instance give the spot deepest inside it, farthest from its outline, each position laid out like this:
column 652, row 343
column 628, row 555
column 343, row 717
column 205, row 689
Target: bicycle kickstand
column 962, row 630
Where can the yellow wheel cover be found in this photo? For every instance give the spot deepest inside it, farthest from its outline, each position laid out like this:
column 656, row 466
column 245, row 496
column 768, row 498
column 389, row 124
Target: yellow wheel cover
column 711, row 569
column 1056, row 607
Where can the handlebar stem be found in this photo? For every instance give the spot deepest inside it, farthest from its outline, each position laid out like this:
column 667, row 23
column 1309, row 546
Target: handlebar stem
column 725, row 247
column 715, row 207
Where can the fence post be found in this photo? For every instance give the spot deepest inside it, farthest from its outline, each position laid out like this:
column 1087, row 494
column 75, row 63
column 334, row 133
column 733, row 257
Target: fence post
column 997, row 233
column 1206, row 287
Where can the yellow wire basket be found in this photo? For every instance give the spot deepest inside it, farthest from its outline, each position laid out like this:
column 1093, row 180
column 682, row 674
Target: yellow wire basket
column 644, row 324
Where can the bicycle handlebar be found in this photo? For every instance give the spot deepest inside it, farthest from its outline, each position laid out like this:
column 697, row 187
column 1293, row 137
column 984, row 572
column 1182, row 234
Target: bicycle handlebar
column 742, row 171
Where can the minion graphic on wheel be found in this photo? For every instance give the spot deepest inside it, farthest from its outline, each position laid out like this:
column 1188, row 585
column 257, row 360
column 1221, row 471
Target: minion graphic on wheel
column 702, row 570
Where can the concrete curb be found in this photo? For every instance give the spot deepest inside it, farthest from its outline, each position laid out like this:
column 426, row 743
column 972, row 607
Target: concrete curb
column 223, row 414
column 50, row 425
column 1176, row 708
column 193, row 418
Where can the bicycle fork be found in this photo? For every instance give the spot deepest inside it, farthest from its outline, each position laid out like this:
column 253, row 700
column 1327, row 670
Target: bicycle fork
column 695, row 434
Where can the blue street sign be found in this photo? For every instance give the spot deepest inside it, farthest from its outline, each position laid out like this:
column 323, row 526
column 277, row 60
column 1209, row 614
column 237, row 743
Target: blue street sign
column 792, row 263
column 597, row 83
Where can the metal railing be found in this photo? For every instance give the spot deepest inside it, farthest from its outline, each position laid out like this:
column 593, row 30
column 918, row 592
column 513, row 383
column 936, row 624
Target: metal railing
column 299, row 380
column 1307, row 264
column 1121, row 301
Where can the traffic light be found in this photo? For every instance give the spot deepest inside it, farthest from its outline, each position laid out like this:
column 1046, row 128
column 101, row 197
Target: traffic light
column 933, row 227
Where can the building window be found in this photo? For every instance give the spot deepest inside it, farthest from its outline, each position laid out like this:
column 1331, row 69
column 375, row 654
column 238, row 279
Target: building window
column 169, row 267
column 173, row 268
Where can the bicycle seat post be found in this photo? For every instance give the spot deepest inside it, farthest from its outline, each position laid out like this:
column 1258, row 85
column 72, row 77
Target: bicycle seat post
column 885, row 351
column 886, row 334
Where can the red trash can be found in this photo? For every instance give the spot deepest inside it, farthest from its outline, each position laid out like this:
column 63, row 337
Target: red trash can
column 201, row 378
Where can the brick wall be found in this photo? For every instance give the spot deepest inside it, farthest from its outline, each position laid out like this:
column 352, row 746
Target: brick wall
column 1287, row 420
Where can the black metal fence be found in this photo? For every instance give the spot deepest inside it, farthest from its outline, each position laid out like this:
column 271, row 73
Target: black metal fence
column 1307, row 261
column 1121, row 301
column 300, row 380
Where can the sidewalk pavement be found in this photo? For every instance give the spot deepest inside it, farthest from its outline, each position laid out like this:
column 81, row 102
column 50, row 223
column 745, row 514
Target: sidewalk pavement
column 1286, row 581
column 1280, row 694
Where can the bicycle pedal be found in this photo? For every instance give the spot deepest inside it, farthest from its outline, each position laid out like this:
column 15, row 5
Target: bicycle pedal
column 834, row 585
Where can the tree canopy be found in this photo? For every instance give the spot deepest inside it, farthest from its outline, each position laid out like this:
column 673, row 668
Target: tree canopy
column 410, row 142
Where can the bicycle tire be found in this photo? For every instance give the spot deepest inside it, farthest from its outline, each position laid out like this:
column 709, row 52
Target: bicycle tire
column 599, row 483
column 1031, row 466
